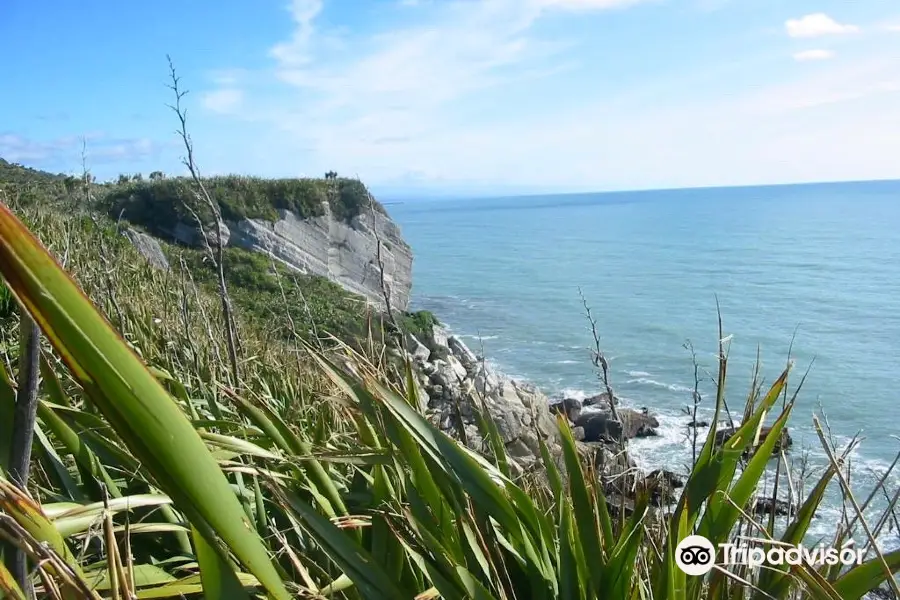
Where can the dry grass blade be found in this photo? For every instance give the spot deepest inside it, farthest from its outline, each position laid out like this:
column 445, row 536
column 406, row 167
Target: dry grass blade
column 848, row 495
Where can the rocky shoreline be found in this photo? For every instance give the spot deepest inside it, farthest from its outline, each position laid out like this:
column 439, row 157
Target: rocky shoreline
column 453, row 382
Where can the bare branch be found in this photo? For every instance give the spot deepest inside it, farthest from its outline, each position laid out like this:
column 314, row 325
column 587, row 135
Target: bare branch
column 600, row 362
column 696, row 399
column 203, row 195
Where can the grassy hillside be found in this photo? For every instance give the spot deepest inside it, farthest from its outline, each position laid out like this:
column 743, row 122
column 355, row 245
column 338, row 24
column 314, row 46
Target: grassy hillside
column 15, row 174
column 267, row 293
column 311, row 474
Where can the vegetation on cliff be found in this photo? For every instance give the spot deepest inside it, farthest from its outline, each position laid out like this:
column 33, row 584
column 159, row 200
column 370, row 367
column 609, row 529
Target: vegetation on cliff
column 156, row 204
column 14, row 174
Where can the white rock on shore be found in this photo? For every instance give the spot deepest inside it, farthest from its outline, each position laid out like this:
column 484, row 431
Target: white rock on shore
column 454, row 378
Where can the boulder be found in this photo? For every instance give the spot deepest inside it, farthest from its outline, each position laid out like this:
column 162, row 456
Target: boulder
column 785, row 442
column 462, row 353
column 765, row 506
column 148, row 247
column 661, row 486
column 438, row 341
column 417, row 349
column 440, row 337
column 485, row 380
column 599, row 425
column 519, row 411
column 570, row 407
column 458, row 369
column 609, row 460
column 600, row 400
column 638, row 423
column 672, row 479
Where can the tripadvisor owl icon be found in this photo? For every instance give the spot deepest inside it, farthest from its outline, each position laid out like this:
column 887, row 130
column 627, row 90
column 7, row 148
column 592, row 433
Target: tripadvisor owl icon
column 695, row 555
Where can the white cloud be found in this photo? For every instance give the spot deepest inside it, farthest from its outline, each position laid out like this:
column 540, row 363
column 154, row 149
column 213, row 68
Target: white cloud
column 225, row 100
column 407, row 74
column 809, row 55
column 100, row 149
column 228, row 77
column 460, row 97
column 295, row 50
column 843, row 83
column 816, row 25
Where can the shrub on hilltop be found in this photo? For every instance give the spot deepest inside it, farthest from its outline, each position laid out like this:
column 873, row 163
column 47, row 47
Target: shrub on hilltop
column 159, row 202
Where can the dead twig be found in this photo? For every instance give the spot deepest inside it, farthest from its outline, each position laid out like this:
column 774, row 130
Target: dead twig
column 696, row 398
column 202, row 195
column 599, row 361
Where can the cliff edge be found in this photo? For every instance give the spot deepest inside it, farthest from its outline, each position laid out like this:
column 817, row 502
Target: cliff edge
column 316, row 227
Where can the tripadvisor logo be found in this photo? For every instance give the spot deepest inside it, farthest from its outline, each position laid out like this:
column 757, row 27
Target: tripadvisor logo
column 696, row 555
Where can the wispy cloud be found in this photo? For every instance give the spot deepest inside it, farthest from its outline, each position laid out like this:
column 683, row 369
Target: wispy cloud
column 65, row 152
column 845, row 81
column 398, row 83
column 225, row 100
column 817, row 25
column 228, row 77
column 294, row 51
column 810, row 55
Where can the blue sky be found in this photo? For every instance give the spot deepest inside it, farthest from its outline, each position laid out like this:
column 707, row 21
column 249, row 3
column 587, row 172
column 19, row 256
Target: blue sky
column 462, row 96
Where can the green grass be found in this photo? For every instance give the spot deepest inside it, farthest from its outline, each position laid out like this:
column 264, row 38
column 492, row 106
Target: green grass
column 419, row 324
column 31, row 186
column 267, row 292
column 12, row 174
column 314, row 475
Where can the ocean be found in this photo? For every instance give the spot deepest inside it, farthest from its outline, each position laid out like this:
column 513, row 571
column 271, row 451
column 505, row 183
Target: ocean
column 811, row 270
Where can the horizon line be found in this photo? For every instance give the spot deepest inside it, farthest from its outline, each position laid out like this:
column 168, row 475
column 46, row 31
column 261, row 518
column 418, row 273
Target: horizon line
column 437, row 195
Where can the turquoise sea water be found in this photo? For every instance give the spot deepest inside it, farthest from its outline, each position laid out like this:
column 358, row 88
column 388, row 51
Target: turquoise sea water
column 820, row 260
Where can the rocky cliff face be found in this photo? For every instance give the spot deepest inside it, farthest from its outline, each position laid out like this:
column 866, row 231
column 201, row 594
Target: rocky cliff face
column 345, row 252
